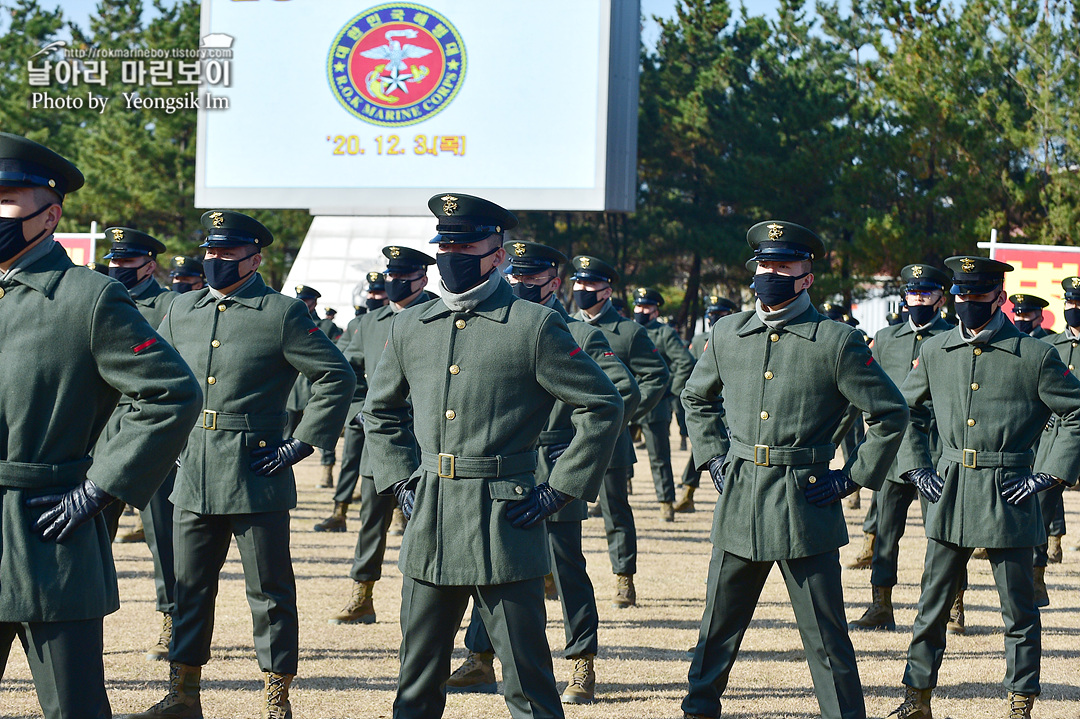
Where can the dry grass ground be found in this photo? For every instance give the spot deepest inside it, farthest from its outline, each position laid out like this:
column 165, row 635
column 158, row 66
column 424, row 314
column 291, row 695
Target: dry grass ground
column 350, row 671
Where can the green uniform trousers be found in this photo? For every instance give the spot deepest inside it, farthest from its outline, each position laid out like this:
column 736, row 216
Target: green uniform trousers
column 1052, row 506
column 657, row 434
column 66, row 662
column 376, row 513
column 619, row 521
column 1013, row 575
column 813, row 584
column 201, row 545
column 350, row 464
column 514, row 616
column 870, row 524
column 691, row 477
column 580, row 618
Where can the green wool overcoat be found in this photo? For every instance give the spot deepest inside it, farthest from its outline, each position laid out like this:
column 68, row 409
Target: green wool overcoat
column 679, row 361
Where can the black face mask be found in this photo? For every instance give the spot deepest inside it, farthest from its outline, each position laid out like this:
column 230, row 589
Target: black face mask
column 181, row 287
column 222, row 273
column 1025, row 326
column 642, row 318
column 398, row 290
column 974, row 314
column 532, row 293
column 1072, row 317
column 585, row 299
column 461, row 272
column 710, row 319
column 373, row 304
column 921, row 314
column 773, row 289
column 127, row 276
column 13, row 239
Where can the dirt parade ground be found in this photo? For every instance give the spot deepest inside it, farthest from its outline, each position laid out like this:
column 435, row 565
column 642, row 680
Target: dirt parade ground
column 351, row 671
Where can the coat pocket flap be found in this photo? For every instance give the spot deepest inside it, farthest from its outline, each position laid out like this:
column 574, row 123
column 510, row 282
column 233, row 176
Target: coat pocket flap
column 508, row 489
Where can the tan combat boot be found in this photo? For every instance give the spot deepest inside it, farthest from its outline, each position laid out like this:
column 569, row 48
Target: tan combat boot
column 582, row 686
column 916, row 704
column 625, row 594
column 398, row 523
column 980, row 553
column 862, row 561
column 685, row 505
column 879, row 615
column 327, row 476
column 1020, row 705
column 182, row 701
column 667, row 512
column 956, row 615
column 1042, row 598
column 360, row 609
column 476, row 675
column 1053, row 549
column 336, row 521
column 854, row 501
column 160, row 650
column 277, row 696
column 138, row 534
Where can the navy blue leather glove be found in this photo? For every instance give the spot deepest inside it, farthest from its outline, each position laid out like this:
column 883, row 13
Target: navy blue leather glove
column 1016, row 489
column 927, row 481
column 405, row 493
column 554, row 451
column 541, row 503
column 716, row 471
column 833, row 487
column 69, row 510
column 271, row 460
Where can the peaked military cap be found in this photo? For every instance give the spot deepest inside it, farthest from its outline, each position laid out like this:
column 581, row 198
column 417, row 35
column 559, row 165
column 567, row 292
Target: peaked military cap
column 924, row 278
column 838, row 313
column 1027, row 303
column 976, row 275
column 406, row 259
column 529, row 258
column 127, row 243
column 465, row 218
column 25, row 163
column 185, row 267
column 330, row 312
column 716, row 303
column 1071, row 286
column 648, row 296
column 780, row 241
column 376, row 281
column 593, row 269
column 225, row 228
column 98, row 267
column 303, row 292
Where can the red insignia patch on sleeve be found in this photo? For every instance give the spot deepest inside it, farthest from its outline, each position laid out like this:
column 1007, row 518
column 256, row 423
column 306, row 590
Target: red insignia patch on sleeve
column 609, row 354
column 869, row 361
column 1067, row 371
column 143, row 345
column 576, row 350
column 313, row 330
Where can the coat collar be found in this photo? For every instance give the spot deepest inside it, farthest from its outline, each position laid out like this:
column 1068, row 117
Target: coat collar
column 44, row 274
column 1006, row 338
column 147, row 291
column 805, row 325
column 495, row 308
column 386, row 312
column 250, row 295
column 937, row 326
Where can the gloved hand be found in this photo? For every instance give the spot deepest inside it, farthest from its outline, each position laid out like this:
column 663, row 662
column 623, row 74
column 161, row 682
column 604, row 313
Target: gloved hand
column 358, row 420
column 405, row 492
column 716, row 471
column 554, row 451
column 1016, row 489
column 69, row 510
column 271, row 460
column 541, row 503
column 927, row 481
column 834, row 486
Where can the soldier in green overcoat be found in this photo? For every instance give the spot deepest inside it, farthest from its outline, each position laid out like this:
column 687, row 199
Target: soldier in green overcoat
column 991, row 390
column 73, row 344
column 762, row 406
column 246, row 343
column 656, row 426
column 593, row 279
column 406, row 278
column 470, row 379
column 186, row 274
column 534, row 276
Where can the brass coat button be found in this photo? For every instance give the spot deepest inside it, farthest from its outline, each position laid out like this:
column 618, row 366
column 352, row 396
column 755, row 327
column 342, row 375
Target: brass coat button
column 215, row 343
column 211, row 380
column 812, row 479
column 2, row 293
column 774, row 337
column 454, row 369
column 221, row 308
column 262, row 442
column 1071, row 367
column 971, row 423
column 460, row 324
column 974, row 385
column 764, row 415
column 518, row 489
column 918, row 337
column 1074, row 343
column 978, row 351
column 450, row 414
column 769, row 375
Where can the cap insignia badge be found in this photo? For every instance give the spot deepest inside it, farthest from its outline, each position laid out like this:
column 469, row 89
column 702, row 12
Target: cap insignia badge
column 449, row 205
column 967, row 264
column 117, row 234
column 776, row 232
column 519, row 249
column 217, row 219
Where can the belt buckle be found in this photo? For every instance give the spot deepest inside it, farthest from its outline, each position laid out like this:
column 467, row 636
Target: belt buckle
column 757, row 449
column 973, row 464
column 449, row 457
column 212, row 415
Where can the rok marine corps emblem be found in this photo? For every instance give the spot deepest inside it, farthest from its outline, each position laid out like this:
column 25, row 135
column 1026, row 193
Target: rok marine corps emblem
column 396, row 64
